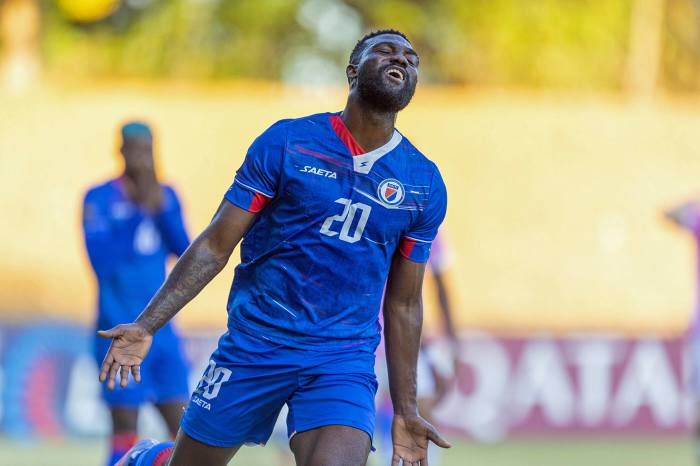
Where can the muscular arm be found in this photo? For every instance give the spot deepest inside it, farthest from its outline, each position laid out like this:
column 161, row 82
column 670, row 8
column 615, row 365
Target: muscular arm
column 199, row 264
column 403, row 320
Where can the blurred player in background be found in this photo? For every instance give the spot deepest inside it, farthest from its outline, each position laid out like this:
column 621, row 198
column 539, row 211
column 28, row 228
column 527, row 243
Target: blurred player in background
column 435, row 381
column 330, row 208
column 431, row 382
column 132, row 224
column 687, row 216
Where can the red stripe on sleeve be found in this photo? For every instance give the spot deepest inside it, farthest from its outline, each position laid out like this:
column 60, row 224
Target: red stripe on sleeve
column 259, row 203
column 346, row 136
column 406, row 247
column 163, row 457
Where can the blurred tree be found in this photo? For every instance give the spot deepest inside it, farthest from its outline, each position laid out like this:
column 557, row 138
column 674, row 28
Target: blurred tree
column 680, row 55
column 644, row 47
column 87, row 11
column 580, row 44
column 19, row 29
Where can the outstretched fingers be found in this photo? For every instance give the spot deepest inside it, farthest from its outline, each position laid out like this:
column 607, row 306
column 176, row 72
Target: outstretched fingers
column 124, row 376
column 136, row 373
column 111, row 379
column 398, row 460
column 104, row 368
column 435, row 437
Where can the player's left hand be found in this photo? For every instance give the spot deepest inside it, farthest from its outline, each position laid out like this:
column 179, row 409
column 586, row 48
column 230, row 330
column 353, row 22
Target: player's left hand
column 410, row 436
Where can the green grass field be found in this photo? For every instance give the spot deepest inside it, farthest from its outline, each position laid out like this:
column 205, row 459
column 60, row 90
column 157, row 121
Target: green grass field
column 628, row 452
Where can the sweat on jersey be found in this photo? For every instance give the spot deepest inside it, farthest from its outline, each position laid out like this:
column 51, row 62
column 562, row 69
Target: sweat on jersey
column 128, row 248
column 331, row 217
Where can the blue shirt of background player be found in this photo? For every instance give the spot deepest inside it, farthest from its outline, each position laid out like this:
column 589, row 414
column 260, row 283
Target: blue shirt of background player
column 128, row 248
column 315, row 261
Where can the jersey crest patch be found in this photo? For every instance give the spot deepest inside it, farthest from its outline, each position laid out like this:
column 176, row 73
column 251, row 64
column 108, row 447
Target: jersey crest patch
column 391, row 191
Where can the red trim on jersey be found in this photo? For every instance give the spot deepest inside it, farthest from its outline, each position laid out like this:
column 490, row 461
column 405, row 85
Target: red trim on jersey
column 162, row 457
column 346, row 136
column 259, row 203
column 406, row 247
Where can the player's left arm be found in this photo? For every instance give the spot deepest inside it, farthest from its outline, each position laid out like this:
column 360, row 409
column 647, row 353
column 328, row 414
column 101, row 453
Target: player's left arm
column 170, row 223
column 403, row 320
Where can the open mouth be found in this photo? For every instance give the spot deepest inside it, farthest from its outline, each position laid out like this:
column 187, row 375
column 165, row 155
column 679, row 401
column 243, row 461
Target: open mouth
column 396, row 73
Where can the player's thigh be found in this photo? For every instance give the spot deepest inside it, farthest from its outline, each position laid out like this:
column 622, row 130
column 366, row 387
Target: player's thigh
column 332, row 404
column 190, row 452
column 332, row 445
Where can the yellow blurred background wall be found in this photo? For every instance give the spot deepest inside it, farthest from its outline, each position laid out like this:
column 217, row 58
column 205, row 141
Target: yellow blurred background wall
column 554, row 217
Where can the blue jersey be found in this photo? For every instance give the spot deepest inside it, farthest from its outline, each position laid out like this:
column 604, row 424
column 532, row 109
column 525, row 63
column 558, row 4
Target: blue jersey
column 331, row 217
column 128, row 248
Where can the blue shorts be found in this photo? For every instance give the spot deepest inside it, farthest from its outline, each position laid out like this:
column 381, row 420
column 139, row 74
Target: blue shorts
column 248, row 380
column 163, row 374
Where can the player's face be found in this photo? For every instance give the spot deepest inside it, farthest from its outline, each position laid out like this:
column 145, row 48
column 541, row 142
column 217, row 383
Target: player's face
column 138, row 154
column 387, row 73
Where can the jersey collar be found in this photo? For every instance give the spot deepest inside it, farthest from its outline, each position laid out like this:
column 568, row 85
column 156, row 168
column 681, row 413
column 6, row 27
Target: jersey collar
column 362, row 161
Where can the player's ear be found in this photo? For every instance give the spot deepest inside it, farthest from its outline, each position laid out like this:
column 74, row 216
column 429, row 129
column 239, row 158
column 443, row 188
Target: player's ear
column 351, row 73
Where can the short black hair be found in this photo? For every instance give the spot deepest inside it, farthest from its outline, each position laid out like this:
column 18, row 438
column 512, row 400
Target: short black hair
column 362, row 43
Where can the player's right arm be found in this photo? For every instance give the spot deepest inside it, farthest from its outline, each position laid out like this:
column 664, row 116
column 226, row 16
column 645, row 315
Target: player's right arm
column 200, row 263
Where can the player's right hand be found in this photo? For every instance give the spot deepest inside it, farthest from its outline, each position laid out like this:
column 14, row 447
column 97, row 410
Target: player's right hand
column 130, row 344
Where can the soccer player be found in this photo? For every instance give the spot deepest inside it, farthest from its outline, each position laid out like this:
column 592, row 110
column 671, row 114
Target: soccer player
column 330, row 208
column 687, row 216
column 131, row 225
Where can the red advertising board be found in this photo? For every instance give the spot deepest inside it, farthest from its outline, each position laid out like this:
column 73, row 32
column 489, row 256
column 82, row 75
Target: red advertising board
column 578, row 384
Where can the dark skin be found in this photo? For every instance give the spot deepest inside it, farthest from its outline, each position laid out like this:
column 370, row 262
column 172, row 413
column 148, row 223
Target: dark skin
column 207, row 256
column 143, row 188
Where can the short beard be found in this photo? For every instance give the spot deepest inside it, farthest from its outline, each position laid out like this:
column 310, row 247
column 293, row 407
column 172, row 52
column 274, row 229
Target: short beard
column 371, row 90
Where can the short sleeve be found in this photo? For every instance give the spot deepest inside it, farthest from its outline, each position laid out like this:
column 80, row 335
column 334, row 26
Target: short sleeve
column 415, row 244
column 257, row 181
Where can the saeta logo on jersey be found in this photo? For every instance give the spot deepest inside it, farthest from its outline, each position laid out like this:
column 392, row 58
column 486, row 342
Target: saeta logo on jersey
column 391, row 191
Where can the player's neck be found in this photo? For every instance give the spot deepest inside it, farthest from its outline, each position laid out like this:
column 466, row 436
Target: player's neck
column 370, row 128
